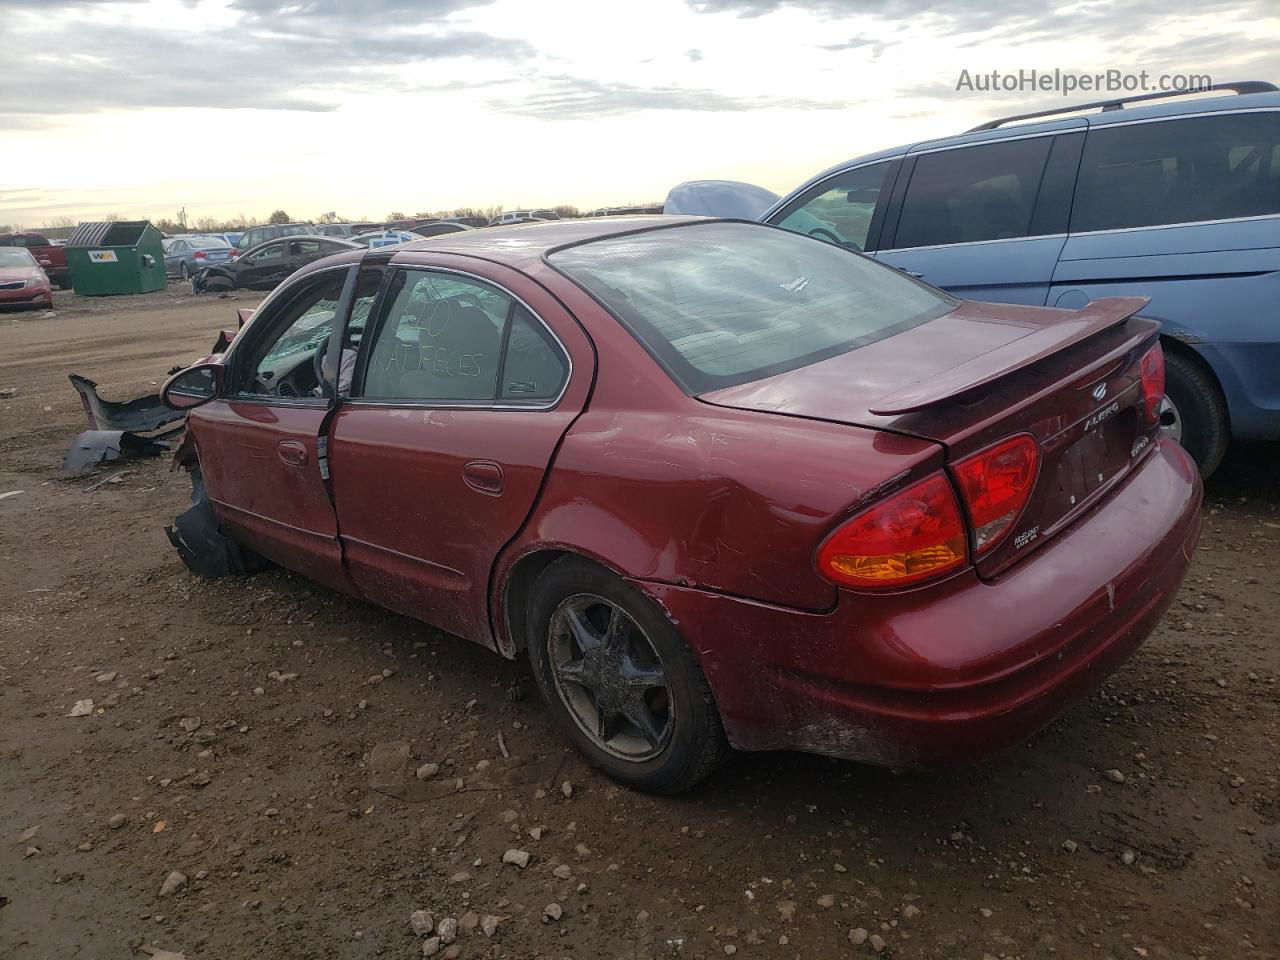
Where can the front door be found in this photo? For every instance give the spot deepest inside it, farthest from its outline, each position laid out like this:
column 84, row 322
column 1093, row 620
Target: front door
column 461, row 396
column 259, row 445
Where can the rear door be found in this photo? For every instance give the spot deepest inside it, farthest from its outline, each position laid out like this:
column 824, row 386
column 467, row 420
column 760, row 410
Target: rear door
column 468, row 379
column 1186, row 210
column 984, row 221
column 264, row 268
column 260, row 455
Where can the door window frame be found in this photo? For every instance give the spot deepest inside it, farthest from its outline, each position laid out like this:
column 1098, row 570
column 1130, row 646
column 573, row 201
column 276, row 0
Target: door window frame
column 378, row 317
column 875, row 228
column 252, row 334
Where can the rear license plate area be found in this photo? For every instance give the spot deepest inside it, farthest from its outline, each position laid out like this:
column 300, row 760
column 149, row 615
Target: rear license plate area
column 1097, row 457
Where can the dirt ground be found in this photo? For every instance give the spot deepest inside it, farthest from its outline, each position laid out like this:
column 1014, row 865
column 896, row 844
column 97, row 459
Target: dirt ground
column 243, row 735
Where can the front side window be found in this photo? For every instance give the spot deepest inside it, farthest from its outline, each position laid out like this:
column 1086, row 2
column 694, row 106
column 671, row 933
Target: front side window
column 1179, row 171
column 718, row 304
column 273, row 252
column 841, row 213
column 971, row 194
column 440, row 339
column 283, row 356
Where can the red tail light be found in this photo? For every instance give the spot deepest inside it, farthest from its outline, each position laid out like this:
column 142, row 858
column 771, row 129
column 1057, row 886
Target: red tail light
column 199, row 254
column 912, row 536
column 995, row 485
column 1151, row 368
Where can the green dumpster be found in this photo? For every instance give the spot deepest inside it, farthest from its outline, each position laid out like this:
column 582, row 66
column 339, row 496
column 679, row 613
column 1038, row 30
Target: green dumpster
column 112, row 258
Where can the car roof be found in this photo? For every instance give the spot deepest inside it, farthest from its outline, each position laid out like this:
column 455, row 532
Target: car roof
column 1173, row 107
column 525, row 244
column 314, row 238
column 520, row 246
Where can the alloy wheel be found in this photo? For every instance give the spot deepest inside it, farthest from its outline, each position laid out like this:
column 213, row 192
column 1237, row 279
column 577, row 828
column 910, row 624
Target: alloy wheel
column 610, row 678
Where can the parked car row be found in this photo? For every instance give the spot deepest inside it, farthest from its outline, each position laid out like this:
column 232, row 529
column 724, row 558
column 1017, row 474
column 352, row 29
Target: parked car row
column 1177, row 200
column 264, row 266
column 48, row 255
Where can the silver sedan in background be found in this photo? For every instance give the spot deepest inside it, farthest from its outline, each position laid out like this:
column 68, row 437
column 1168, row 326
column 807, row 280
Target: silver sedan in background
column 187, row 255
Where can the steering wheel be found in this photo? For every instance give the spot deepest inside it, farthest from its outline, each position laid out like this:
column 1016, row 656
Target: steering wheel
column 317, row 360
column 824, row 234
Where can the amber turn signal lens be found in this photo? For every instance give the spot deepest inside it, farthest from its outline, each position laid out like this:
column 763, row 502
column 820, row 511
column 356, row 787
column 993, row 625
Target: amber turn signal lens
column 912, row 536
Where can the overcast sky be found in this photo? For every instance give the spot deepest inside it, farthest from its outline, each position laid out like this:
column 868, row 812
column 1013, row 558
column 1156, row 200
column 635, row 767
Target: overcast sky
column 227, row 107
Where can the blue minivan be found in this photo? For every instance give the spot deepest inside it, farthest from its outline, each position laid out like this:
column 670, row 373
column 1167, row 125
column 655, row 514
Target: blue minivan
column 1177, row 200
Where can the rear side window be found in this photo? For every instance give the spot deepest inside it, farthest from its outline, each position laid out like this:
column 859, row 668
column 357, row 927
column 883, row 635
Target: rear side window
column 718, row 304
column 1179, row 171
column 969, row 194
column 440, row 339
column 306, row 248
column 533, row 367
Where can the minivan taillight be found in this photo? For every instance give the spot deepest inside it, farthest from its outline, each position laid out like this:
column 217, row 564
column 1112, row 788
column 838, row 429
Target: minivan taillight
column 995, row 484
column 911, row 536
column 1151, row 369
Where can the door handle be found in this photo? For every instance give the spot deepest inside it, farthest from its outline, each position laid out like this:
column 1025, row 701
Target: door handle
column 483, row 476
column 292, row 452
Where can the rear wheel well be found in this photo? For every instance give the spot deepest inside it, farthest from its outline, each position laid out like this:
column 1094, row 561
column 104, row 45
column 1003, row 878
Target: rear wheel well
column 1171, row 344
column 519, row 590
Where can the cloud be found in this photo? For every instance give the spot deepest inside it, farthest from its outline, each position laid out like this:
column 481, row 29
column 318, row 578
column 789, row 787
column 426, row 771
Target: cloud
column 694, row 55
column 262, row 61
column 873, row 47
column 1015, row 20
column 570, row 98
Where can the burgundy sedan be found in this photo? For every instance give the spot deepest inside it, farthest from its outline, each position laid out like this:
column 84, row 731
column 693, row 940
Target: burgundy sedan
column 724, row 484
column 22, row 281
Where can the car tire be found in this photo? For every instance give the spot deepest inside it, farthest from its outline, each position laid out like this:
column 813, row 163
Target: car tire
column 679, row 740
column 183, row 273
column 1195, row 412
column 63, row 283
column 218, row 285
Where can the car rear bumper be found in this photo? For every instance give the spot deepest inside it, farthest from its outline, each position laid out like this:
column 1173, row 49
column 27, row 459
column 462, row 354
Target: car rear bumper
column 951, row 673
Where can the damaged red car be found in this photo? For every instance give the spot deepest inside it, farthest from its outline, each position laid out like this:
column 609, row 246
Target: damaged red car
column 726, row 485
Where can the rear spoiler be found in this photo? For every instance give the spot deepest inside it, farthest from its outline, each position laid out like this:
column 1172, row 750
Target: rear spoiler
column 1087, row 322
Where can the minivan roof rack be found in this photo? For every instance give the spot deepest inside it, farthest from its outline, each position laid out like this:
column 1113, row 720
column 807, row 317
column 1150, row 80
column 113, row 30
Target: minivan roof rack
column 1241, row 87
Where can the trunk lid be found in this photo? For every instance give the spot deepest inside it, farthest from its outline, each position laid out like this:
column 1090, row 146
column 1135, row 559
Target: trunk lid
column 983, row 373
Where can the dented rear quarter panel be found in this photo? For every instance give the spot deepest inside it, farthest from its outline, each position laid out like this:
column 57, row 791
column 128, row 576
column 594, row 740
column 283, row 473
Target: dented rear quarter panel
column 659, row 486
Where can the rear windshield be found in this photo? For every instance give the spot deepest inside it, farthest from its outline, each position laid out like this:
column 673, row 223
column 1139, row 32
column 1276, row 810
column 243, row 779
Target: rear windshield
column 718, row 304
column 208, row 243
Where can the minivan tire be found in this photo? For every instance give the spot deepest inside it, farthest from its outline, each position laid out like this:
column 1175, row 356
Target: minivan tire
column 1206, row 432
column 695, row 743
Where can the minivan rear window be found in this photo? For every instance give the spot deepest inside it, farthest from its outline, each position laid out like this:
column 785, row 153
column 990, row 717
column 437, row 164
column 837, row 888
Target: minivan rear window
column 1218, row 167
column 723, row 303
